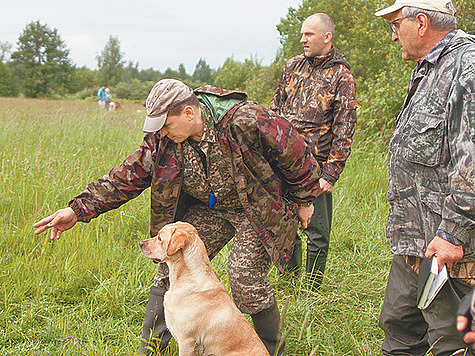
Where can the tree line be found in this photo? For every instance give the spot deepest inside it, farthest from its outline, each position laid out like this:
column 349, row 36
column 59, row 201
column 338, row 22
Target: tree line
column 41, row 67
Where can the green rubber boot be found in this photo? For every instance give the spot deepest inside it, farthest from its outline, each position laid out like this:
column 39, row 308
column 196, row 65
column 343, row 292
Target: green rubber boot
column 155, row 334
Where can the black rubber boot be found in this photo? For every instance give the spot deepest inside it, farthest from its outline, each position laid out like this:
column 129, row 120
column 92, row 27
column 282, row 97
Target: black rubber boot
column 315, row 269
column 155, row 334
column 266, row 324
column 295, row 261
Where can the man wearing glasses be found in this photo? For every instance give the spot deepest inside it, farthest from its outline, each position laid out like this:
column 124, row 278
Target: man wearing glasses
column 431, row 178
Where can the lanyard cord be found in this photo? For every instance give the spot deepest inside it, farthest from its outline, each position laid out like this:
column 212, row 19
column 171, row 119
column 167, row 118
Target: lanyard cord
column 200, row 153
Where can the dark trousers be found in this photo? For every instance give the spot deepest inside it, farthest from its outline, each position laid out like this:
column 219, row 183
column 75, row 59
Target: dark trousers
column 411, row 331
column 318, row 241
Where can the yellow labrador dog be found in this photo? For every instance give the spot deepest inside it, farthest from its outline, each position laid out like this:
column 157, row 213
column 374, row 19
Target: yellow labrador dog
column 199, row 313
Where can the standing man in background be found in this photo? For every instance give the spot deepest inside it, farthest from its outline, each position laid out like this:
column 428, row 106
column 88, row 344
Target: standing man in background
column 430, row 178
column 317, row 94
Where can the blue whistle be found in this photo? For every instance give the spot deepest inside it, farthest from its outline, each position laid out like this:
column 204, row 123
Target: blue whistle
column 211, row 200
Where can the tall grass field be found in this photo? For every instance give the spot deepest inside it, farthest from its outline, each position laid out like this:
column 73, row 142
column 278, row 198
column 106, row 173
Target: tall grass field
column 86, row 293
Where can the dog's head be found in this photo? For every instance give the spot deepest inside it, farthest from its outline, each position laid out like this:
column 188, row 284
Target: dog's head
column 169, row 240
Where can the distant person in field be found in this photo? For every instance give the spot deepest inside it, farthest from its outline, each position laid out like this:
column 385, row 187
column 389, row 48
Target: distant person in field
column 229, row 167
column 107, row 98
column 101, row 96
column 431, row 178
column 317, row 94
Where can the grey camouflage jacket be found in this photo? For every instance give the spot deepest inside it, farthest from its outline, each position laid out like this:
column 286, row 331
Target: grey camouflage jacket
column 431, row 155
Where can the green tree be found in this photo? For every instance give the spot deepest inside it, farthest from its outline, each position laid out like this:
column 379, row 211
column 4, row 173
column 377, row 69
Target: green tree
column 82, row 78
column 42, row 61
column 8, row 80
column 233, row 74
column 131, row 71
column 203, row 74
column 110, row 62
column 149, row 75
column 182, row 72
column 261, row 83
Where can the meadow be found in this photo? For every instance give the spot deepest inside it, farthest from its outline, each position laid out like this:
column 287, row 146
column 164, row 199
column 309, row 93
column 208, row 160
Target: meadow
column 86, row 293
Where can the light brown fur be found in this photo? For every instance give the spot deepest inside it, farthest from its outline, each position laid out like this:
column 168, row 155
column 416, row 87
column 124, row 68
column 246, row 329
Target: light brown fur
column 199, row 313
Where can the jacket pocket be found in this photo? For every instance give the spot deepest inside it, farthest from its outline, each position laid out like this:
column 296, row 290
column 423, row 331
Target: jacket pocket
column 424, row 139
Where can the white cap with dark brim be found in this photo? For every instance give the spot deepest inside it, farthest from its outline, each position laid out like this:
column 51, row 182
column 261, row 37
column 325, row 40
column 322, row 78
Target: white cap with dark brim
column 444, row 6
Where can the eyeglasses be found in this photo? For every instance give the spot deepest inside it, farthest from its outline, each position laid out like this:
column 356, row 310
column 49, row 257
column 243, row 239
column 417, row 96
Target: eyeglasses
column 394, row 24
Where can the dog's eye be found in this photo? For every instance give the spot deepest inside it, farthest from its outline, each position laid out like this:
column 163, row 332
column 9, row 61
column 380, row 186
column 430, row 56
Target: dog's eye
column 159, row 238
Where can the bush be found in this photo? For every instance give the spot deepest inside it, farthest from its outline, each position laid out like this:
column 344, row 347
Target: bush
column 8, row 81
column 132, row 90
column 380, row 99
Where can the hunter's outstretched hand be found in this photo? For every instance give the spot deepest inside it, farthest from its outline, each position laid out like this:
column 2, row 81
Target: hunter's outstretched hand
column 60, row 221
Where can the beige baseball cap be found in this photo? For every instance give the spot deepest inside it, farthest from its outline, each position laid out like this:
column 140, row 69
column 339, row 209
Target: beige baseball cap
column 444, row 6
column 164, row 95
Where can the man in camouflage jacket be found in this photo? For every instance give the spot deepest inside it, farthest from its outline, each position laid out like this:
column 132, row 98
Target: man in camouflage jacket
column 316, row 93
column 229, row 167
column 431, row 178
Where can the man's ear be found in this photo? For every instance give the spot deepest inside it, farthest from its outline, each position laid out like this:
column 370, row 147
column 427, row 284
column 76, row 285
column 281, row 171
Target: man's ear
column 177, row 242
column 423, row 23
column 189, row 111
column 328, row 37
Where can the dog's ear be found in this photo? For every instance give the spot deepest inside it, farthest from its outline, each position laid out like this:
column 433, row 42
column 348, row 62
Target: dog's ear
column 177, row 242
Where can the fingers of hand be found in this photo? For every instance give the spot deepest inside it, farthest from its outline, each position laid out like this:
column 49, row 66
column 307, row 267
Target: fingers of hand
column 44, row 221
column 55, row 233
column 461, row 322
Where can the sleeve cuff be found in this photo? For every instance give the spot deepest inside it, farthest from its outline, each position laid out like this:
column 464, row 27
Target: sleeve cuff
column 329, row 179
column 453, row 229
column 78, row 211
column 449, row 238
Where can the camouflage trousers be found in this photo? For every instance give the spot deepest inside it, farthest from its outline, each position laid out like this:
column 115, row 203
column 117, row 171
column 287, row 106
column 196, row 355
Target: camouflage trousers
column 248, row 262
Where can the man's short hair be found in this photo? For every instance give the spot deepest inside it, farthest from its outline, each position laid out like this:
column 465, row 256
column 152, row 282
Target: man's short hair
column 439, row 20
column 178, row 108
column 326, row 23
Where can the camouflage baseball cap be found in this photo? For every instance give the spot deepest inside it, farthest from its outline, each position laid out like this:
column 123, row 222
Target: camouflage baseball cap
column 444, row 6
column 164, row 95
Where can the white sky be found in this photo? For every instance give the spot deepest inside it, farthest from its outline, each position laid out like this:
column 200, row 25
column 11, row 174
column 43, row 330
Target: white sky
column 156, row 34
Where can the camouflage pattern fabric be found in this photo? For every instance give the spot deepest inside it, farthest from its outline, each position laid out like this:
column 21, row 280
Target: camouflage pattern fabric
column 248, row 263
column 318, row 96
column 431, row 157
column 465, row 271
column 217, row 179
column 268, row 162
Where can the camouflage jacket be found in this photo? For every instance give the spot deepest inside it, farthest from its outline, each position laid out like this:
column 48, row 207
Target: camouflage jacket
column 431, row 155
column 269, row 162
column 318, row 96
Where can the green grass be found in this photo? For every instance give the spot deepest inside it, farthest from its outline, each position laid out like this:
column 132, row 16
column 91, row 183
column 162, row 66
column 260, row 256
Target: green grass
column 86, row 293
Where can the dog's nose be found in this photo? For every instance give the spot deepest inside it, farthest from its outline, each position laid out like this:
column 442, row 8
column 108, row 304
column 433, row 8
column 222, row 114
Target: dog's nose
column 141, row 243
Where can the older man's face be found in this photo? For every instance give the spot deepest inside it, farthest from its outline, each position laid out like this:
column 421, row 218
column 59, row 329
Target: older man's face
column 406, row 36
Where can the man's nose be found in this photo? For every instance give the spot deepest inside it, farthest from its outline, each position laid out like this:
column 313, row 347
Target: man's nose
column 394, row 36
column 302, row 39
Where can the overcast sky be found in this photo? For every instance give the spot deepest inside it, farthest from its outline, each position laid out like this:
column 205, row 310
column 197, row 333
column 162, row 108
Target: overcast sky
column 156, row 34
